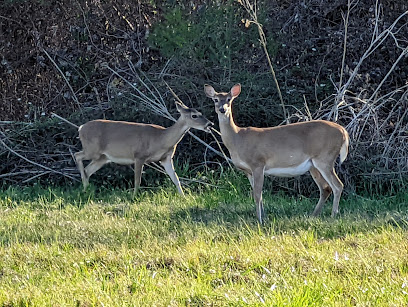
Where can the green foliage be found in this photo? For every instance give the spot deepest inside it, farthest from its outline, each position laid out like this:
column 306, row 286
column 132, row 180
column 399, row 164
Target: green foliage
column 214, row 35
column 174, row 34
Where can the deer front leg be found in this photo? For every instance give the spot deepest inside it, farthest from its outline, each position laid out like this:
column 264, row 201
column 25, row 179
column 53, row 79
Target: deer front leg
column 168, row 166
column 138, row 169
column 258, row 179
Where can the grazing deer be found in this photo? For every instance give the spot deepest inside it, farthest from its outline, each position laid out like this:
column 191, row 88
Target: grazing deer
column 126, row 143
column 283, row 151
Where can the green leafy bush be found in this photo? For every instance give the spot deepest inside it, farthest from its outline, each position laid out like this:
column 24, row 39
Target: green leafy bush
column 214, row 35
column 174, row 34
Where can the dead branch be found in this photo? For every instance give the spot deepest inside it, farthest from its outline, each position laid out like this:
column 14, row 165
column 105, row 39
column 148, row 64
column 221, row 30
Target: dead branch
column 32, row 162
column 64, row 120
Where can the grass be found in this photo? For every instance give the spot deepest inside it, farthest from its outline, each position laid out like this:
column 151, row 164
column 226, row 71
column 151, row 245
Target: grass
column 59, row 246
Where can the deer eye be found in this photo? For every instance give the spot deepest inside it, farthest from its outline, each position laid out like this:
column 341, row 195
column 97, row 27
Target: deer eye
column 227, row 99
column 216, row 99
column 194, row 116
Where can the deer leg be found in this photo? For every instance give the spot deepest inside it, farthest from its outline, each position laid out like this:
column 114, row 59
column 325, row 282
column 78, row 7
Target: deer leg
column 169, row 167
column 324, row 189
column 93, row 167
column 329, row 174
column 258, row 179
column 251, row 179
column 138, row 169
column 79, row 157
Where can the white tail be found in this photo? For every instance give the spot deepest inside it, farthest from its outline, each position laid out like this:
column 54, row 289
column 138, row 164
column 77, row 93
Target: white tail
column 284, row 151
column 344, row 148
column 127, row 143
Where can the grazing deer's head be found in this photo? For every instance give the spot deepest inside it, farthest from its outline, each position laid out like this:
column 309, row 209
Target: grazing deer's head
column 223, row 101
column 193, row 118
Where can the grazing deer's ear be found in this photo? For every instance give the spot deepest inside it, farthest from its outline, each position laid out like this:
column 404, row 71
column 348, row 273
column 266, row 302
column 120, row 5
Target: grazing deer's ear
column 209, row 91
column 180, row 107
column 235, row 90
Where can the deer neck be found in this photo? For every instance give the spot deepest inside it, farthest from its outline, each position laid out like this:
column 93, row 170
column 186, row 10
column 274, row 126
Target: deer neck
column 229, row 130
column 174, row 134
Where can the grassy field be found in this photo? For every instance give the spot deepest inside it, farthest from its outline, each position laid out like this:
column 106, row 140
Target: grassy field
column 62, row 247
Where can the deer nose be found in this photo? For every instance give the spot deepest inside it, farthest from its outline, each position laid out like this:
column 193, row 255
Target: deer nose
column 209, row 124
column 222, row 109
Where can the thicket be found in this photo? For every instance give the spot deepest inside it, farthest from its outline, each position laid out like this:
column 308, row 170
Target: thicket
column 337, row 60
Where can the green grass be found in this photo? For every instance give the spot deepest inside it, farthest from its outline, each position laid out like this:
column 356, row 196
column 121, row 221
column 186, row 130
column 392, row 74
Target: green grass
column 104, row 248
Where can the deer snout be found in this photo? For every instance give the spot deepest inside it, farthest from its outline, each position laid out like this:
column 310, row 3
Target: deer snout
column 208, row 125
column 222, row 109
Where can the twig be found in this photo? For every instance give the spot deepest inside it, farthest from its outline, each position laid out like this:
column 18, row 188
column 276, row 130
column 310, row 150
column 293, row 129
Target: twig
column 174, row 94
column 19, row 173
column 64, row 120
column 152, row 104
column 206, row 145
column 376, row 41
column 63, row 75
column 32, row 162
column 223, row 153
column 156, row 167
column 309, row 115
column 36, row 176
column 339, row 99
column 401, row 56
column 251, row 10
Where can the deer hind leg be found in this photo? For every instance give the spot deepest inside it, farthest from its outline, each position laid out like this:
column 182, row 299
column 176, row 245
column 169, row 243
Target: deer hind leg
column 79, row 157
column 93, row 167
column 138, row 169
column 329, row 174
column 324, row 188
column 258, row 180
column 169, row 167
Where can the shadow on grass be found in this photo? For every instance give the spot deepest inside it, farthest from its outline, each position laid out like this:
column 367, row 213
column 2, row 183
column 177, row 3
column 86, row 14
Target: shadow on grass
column 225, row 208
column 290, row 215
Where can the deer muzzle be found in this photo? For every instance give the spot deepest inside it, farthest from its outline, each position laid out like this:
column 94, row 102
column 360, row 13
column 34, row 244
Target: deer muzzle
column 222, row 109
column 208, row 125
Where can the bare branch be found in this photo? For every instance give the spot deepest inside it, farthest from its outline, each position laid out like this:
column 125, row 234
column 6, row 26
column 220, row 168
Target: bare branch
column 32, row 162
column 251, row 10
column 64, row 120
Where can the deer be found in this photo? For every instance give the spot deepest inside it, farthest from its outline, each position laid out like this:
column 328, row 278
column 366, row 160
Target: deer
column 129, row 143
column 283, row 151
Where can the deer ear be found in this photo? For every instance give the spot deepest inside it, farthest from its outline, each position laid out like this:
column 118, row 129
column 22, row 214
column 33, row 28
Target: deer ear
column 180, row 107
column 209, row 91
column 235, row 90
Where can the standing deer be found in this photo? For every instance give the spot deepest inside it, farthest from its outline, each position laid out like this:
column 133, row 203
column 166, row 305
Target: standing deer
column 283, row 151
column 127, row 143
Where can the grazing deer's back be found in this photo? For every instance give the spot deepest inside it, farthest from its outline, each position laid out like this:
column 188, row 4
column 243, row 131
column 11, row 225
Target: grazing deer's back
column 105, row 133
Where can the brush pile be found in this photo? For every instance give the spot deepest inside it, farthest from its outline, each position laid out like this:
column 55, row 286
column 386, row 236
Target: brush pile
column 342, row 60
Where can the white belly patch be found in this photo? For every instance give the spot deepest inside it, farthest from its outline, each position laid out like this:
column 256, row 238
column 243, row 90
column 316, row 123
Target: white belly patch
column 289, row 171
column 241, row 164
column 122, row 161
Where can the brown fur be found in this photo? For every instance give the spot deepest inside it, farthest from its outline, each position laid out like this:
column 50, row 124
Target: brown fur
column 127, row 143
column 288, row 150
